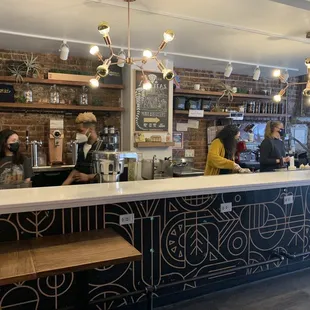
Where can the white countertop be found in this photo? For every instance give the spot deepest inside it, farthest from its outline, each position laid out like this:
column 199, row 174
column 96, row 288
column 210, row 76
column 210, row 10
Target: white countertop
column 45, row 198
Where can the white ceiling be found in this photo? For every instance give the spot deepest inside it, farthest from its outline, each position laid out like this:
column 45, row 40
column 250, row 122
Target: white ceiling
column 253, row 31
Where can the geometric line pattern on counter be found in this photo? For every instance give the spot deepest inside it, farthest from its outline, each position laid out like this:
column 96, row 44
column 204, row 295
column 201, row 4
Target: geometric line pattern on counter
column 180, row 238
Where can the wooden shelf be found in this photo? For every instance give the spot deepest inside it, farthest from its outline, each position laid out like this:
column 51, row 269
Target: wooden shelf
column 214, row 93
column 11, row 79
column 153, row 144
column 57, row 107
column 226, row 114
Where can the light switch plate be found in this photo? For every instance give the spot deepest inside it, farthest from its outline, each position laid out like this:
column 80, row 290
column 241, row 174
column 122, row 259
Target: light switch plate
column 189, row 153
column 289, row 199
column 125, row 219
column 226, row 207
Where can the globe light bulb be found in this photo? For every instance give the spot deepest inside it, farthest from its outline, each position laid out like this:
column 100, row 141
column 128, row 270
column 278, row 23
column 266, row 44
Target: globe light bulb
column 276, row 73
column 94, row 50
column 277, row 98
column 147, row 54
column 168, row 36
column 94, row 83
column 147, row 85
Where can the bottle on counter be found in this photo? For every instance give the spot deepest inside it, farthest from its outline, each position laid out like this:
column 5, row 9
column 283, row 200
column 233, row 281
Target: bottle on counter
column 105, row 138
column 84, row 96
column 54, row 95
column 168, row 137
column 28, row 94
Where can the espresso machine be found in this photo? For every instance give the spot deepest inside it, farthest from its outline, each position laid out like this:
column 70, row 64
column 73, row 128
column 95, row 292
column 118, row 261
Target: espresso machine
column 56, row 141
column 116, row 166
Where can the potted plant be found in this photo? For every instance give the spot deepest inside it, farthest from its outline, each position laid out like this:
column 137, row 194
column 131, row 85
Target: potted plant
column 32, row 67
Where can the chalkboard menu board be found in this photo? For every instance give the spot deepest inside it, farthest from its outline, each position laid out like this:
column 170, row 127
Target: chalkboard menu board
column 152, row 106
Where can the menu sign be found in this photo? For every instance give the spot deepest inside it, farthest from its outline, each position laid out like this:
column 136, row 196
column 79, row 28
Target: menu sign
column 151, row 105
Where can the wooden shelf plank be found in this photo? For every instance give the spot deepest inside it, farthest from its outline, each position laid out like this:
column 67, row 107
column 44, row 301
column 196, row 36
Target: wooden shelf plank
column 153, row 144
column 58, row 107
column 226, row 114
column 11, row 79
column 214, row 93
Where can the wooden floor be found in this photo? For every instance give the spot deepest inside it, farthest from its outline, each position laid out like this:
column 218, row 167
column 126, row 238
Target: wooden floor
column 289, row 292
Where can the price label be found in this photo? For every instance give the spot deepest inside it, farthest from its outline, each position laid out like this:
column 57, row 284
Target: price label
column 236, row 116
column 196, row 113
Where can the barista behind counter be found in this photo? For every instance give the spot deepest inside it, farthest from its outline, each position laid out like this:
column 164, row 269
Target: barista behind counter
column 88, row 142
column 272, row 149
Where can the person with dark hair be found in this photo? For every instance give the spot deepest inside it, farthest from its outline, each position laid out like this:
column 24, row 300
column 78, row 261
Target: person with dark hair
column 88, row 143
column 221, row 154
column 15, row 168
column 272, row 149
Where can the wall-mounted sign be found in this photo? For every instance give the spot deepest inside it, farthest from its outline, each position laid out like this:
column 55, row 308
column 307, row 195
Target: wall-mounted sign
column 152, row 106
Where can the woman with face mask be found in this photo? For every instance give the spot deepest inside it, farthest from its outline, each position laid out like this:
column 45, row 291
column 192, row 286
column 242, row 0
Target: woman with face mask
column 272, row 149
column 221, row 154
column 88, row 141
column 14, row 167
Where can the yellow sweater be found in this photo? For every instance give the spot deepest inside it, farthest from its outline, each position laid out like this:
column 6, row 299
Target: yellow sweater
column 216, row 159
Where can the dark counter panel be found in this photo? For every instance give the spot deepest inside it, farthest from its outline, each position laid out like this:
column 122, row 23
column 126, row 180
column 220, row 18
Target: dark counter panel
column 180, row 238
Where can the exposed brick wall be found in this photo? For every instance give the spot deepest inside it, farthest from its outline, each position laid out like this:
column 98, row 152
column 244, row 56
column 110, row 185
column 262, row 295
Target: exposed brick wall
column 38, row 123
column 197, row 138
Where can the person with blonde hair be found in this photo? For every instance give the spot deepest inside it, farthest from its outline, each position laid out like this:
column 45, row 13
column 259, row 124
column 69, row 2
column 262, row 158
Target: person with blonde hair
column 88, row 142
column 272, row 149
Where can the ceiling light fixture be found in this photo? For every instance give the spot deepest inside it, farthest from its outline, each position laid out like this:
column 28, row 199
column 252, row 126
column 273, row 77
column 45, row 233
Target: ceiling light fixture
column 103, row 70
column 284, row 79
column 228, row 70
column 120, row 61
column 256, row 74
column 64, row 50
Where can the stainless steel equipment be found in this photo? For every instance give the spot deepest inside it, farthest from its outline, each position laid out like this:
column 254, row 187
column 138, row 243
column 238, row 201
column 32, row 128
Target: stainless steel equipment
column 116, row 166
column 34, row 152
column 74, row 145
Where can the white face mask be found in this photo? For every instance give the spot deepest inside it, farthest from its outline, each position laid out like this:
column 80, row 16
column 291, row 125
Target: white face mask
column 81, row 138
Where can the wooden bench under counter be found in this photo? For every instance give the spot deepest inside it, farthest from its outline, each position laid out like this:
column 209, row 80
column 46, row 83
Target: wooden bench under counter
column 52, row 255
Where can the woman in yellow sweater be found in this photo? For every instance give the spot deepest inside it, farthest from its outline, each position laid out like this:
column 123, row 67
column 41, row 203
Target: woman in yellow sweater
column 222, row 152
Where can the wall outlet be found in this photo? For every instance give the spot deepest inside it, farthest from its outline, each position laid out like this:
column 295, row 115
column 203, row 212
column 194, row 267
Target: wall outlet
column 289, row 199
column 189, row 153
column 226, row 207
column 125, row 219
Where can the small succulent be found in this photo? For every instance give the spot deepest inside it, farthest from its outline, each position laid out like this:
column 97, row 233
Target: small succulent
column 17, row 72
column 32, row 66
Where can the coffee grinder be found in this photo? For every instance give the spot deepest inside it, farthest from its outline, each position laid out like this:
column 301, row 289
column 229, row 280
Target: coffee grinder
column 56, row 141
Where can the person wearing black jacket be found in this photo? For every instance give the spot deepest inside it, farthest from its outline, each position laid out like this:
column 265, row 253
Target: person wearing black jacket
column 272, row 149
column 88, row 143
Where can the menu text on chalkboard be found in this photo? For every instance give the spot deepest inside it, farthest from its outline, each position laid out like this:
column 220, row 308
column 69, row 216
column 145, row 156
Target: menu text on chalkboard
column 152, row 105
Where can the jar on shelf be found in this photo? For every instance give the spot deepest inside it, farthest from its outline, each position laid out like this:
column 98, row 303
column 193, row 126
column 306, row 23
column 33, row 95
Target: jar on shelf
column 28, row 93
column 54, row 95
column 84, row 96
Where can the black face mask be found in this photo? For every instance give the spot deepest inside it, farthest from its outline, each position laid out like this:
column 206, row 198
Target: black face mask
column 14, row 147
column 282, row 132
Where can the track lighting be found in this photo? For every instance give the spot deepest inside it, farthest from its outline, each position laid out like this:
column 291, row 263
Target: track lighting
column 228, row 70
column 64, row 50
column 256, row 74
column 121, row 59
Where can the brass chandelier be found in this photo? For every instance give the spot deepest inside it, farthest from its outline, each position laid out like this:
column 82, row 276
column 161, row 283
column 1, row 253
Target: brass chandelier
column 103, row 69
column 283, row 78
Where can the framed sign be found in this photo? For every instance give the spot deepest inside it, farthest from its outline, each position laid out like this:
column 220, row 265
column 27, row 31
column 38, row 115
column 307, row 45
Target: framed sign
column 151, row 106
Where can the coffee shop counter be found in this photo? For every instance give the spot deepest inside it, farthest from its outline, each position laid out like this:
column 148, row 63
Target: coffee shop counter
column 179, row 227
